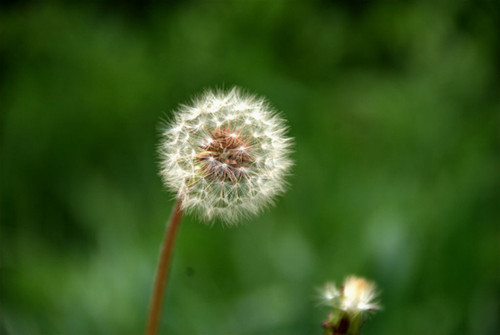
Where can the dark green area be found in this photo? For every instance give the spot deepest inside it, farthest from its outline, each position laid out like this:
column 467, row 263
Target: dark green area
column 394, row 107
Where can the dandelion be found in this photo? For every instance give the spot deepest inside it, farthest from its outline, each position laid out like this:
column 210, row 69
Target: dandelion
column 358, row 295
column 226, row 156
column 350, row 304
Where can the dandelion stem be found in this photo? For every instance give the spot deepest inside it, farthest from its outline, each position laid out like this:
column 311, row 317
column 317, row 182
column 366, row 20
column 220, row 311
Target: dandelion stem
column 162, row 270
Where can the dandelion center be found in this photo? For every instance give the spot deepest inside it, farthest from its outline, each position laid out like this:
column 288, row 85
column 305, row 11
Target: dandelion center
column 225, row 156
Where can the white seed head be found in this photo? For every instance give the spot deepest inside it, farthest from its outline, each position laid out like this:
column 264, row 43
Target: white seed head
column 226, row 156
column 356, row 295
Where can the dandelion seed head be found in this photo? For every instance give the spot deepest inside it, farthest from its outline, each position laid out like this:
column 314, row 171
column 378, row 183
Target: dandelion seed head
column 358, row 295
column 213, row 160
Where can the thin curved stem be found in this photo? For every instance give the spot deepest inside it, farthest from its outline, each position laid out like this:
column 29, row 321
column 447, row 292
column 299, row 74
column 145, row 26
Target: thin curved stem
column 163, row 269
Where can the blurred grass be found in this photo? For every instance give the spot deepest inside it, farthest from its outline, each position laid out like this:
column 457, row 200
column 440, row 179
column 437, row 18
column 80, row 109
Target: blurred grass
column 395, row 113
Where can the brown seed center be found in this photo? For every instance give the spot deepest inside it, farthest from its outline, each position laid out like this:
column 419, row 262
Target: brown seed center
column 225, row 156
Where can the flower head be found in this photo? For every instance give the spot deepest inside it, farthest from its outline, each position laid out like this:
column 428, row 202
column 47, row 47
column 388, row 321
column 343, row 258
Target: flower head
column 358, row 295
column 354, row 296
column 226, row 155
column 348, row 304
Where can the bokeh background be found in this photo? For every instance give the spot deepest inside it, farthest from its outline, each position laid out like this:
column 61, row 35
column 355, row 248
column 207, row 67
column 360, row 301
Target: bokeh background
column 394, row 107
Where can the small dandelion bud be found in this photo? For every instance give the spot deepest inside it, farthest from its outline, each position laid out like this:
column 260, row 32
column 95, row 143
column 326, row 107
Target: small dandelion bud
column 358, row 295
column 225, row 156
column 349, row 304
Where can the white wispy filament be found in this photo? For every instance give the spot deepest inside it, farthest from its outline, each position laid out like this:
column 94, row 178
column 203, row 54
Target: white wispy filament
column 225, row 156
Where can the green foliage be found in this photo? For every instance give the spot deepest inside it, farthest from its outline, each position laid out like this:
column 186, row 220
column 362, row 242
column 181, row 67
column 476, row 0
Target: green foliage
column 394, row 109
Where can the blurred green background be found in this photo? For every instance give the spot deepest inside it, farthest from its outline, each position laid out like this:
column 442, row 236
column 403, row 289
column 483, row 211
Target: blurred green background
column 394, row 107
